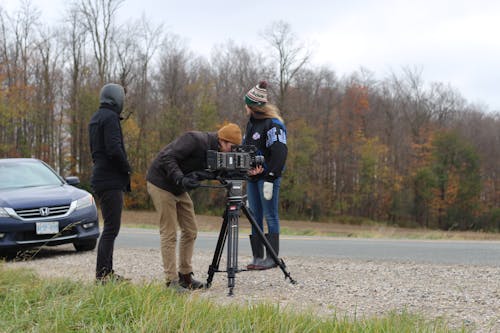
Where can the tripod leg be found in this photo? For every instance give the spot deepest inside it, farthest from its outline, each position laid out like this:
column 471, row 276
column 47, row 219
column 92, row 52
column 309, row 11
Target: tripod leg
column 214, row 267
column 267, row 245
column 232, row 247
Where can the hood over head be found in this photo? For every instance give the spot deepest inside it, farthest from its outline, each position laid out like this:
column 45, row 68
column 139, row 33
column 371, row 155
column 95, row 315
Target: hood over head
column 112, row 96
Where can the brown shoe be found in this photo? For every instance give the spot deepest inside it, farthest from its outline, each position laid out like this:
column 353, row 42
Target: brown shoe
column 256, row 265
column 174, row 285
column 188, row 282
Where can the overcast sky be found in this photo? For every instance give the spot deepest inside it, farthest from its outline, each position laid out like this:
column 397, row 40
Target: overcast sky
column 454, row 42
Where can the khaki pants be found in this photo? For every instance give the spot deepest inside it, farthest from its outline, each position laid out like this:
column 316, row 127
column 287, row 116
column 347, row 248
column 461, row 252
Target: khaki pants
column 172, row 211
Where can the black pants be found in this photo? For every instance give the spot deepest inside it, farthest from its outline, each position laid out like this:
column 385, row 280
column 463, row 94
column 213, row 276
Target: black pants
column 111, row 207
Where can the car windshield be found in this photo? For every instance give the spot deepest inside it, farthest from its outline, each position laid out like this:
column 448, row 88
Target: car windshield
column 26, row 174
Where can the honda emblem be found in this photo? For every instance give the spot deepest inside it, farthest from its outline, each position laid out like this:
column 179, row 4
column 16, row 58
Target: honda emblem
column 44, row 211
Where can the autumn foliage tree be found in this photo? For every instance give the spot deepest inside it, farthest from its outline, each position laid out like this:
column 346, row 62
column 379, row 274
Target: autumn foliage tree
column 394, row 149
column 456, row 167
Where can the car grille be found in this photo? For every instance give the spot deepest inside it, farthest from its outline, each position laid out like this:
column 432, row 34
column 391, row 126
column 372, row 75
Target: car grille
column 42, row 212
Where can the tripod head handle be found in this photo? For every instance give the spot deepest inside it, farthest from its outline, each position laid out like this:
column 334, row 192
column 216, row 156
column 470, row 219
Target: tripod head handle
column 224, row 184
column 234, row 188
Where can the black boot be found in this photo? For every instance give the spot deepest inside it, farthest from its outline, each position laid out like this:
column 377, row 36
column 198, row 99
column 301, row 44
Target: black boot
column 257, row 252
column 187, row 281
column 274, row 240
column 110, row 276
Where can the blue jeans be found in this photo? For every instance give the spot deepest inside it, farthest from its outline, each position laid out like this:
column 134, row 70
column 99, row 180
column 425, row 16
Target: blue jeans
column 261, row 207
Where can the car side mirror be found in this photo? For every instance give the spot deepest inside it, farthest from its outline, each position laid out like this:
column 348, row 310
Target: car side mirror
column 72, row 180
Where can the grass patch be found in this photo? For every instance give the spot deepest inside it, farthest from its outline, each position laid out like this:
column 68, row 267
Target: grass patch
column 31, row 304
column 301, row 232
column 340, row 227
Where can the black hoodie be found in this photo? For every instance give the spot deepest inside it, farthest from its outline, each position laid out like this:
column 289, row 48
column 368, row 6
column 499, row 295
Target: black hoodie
column 111, row 170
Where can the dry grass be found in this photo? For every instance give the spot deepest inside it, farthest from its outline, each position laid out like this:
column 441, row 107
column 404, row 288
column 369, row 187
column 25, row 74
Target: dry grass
column 213, row 223
column 33, row 304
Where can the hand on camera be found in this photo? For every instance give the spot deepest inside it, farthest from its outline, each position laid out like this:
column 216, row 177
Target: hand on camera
column 202, row 175
column 189, row 183
column 255, row 171
column 268, row 190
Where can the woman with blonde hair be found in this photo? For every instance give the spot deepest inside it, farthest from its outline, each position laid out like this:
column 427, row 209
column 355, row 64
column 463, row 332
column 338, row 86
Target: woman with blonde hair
column 266, row 130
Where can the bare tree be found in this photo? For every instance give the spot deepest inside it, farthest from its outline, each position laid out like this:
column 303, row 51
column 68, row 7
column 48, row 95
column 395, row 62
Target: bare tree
column 235, row 69
column 290, row 53
column 47, row 76
column 98, row 19
column 172, row 80
column 4, row 47
column 135, row 45
column 75, row 39
column 135, row 53
column 445, row 102
column 18, row 40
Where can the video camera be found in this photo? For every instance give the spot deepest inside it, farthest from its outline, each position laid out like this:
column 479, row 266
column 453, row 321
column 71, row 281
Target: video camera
column 236, row 163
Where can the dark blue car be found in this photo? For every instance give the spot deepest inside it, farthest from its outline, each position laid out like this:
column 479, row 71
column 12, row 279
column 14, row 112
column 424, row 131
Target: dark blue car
column 38, row 207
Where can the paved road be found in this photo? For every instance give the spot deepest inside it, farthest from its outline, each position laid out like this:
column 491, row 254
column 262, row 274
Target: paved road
column 442, row 252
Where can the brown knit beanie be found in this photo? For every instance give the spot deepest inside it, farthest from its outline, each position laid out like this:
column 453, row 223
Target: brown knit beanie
column 231, row 133
column 257, row 95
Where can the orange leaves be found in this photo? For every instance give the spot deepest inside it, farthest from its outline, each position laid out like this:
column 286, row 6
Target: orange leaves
column 356, row 99
column 139, row 197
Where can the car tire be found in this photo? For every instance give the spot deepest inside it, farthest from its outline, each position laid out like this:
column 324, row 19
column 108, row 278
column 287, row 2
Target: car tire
column 85, row 245
column 8, row 255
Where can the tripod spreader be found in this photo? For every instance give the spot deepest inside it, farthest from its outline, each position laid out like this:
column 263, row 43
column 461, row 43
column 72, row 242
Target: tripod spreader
column 229, row 231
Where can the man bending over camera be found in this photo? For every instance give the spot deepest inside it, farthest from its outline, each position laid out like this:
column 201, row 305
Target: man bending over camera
column 169, row 178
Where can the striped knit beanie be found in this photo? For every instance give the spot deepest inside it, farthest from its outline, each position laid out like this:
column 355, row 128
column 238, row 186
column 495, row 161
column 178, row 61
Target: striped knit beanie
column 257, row 95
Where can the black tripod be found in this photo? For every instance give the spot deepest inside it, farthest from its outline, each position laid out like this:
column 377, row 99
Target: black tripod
column 229, row 231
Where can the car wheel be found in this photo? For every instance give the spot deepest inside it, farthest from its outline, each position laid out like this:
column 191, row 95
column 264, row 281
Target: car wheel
column 85, row 245
column 8, row 255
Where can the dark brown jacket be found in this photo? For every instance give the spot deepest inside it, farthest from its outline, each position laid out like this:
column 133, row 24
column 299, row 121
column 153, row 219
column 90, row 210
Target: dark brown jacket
column 185, row 154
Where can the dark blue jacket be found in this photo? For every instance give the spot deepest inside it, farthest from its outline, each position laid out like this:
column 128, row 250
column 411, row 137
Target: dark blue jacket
column 269, row 136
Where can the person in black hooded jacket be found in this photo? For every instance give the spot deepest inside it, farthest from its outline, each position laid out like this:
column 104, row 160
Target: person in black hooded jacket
column 110, row 173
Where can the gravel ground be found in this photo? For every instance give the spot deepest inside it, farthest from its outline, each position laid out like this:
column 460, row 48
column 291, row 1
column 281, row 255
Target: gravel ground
column 466, row 296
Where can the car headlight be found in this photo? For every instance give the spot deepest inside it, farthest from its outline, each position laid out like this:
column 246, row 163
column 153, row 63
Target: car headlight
column 84, row 202
column 3, row 212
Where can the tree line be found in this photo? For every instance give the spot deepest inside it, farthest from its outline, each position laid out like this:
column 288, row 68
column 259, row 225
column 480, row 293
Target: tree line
column 396, row 149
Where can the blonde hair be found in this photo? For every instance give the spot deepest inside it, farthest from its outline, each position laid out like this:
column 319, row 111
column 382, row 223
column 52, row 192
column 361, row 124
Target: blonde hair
column 267, row 110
